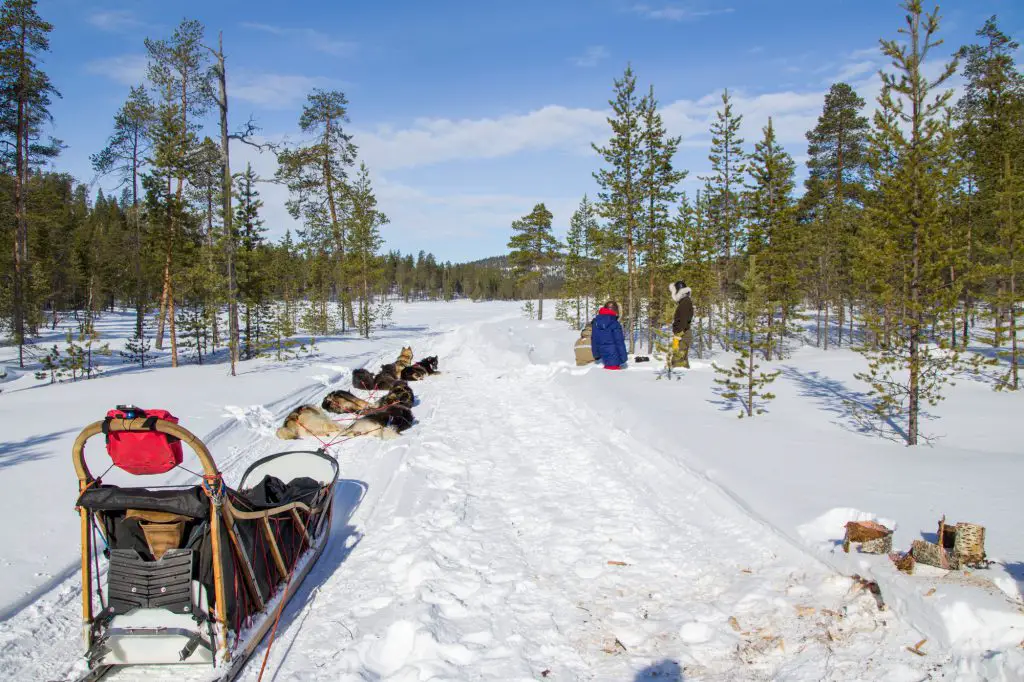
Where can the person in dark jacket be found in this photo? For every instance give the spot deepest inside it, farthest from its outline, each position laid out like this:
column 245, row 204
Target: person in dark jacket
column 681, row 334
column 607, row 342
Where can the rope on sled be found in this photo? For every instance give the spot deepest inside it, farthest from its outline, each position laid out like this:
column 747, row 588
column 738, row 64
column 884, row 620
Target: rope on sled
column 280, row 609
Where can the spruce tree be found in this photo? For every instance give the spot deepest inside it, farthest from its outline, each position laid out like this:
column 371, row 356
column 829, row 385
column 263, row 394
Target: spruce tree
column 534, row 250
column 622, row 191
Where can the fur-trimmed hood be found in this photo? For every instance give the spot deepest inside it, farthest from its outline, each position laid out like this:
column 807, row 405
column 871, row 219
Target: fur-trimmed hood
column 678, row 290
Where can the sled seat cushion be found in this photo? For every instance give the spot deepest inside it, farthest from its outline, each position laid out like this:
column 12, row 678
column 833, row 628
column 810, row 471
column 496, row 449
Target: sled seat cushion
column 191, row 502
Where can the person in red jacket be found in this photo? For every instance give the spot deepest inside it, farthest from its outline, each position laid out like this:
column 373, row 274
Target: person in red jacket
column 607, row 342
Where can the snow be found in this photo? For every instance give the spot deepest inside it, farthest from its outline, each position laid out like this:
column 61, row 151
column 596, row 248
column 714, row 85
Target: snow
column 545, row 520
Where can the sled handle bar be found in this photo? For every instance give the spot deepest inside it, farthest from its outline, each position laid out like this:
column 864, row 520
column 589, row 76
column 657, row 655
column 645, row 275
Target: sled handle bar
column 140, row 425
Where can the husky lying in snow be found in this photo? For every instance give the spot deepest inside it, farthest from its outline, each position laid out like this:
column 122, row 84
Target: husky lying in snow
column 345, row 402
column 421, row 369
column 382, row 381
column 308, row 420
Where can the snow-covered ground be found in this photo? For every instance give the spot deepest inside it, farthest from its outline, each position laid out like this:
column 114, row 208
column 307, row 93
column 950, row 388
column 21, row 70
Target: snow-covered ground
column 547, row 521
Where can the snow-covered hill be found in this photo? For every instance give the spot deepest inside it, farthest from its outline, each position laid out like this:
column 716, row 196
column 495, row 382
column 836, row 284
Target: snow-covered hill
column 543, row 521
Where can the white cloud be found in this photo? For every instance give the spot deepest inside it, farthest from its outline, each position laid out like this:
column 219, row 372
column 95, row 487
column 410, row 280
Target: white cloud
column 591, row 56
column 678, row 12
column 274, row 90
column 430, row 141
column 321, row 42
column 127, row 69
column 115, row 21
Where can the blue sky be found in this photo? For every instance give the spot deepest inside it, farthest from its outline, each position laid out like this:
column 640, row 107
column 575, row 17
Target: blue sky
column 469, row 113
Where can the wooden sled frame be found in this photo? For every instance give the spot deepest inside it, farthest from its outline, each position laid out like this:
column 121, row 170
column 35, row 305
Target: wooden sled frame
column 314, row 529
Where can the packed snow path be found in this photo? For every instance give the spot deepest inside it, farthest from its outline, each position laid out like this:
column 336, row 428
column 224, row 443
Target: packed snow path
column 511, row 536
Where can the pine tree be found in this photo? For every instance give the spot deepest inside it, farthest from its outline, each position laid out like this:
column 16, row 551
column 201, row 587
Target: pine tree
column 579, row 261
column 727, row 169
column 622, row 191
column 249, row 259
column 534, row 249
column 1008, row 254
column 837, row 151
column 316, row 176
column 364, row 242
column 744, row 381
column 916, row 135
column 137, row 349
column 124, row 156
column 772, row 227
column 693, row 243
column 990, row 116
column 177, row 68
column 25, row 92
column 660, row 179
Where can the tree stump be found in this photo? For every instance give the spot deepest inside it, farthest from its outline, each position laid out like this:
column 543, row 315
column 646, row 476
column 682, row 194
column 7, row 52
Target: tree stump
column 873, row 537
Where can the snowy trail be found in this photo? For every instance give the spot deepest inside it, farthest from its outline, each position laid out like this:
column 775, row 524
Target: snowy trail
column 508, row 535
column 40, row 635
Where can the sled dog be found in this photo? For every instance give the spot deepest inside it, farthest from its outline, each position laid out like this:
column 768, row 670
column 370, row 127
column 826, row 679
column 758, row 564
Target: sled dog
column 399, row 394
column 307, row 420
column 404, row 358
column 397, row 417
column 362, row 378
column 389, row 370
column 421, row 369
column 344, row 402
column 415, row 372
column 371, row 425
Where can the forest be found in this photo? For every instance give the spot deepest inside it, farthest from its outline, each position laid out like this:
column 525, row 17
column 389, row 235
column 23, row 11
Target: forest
column 182, row 242
column 904, row 243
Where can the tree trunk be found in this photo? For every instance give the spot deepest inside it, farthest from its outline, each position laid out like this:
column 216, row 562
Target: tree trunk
column 826, row 325
column 1013, row 322
column 630, row 255
column 229, row 228
column 841, row 321
column 21, row 219
column 174, row 336
column 817, row 319
column 159, row 343
column 750, row 375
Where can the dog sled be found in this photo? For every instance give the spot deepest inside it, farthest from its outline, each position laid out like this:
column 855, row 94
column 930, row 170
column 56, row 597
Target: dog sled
column 195, row 576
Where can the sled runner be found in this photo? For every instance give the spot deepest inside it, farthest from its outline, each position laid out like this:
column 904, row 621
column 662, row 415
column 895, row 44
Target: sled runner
column 194, row 574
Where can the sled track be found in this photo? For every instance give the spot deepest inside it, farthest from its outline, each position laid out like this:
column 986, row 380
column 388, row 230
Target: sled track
column 518, row 535
column 40, row 636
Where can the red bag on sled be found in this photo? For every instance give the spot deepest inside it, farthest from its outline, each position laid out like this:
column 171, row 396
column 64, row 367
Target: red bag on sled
column 142, row 452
